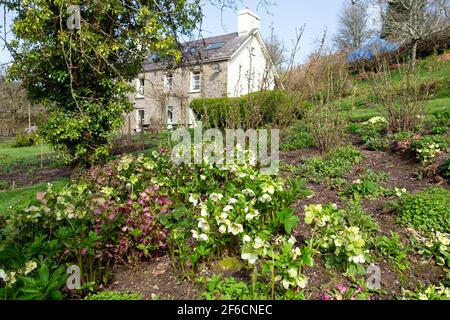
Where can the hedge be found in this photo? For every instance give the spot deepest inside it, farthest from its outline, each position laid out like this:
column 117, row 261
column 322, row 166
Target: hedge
column 259, row 108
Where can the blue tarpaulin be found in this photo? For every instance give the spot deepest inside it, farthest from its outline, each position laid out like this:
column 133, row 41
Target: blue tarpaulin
column 373, row 49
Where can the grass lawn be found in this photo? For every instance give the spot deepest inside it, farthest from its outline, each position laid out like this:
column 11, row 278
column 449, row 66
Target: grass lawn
column 18, row 196
column 363, row 114
column 29, row 157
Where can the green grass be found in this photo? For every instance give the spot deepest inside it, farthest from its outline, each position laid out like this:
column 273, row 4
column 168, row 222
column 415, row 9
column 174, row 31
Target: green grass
column 28, row 157
column 438, row 72
column 364, row 114
column 20, row 196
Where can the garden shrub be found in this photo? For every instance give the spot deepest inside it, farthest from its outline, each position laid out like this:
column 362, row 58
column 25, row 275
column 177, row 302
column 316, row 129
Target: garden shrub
column 426, row 211
column 26, row 140
column 250, row 111
column 326, row 124
column 343, row 246
column 428, row 147
column 434, row 245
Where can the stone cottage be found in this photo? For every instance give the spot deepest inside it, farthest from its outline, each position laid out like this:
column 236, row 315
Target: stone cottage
column 229, row 65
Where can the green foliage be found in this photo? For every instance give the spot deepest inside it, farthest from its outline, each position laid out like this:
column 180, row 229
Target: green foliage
column 428, row 147
column 426, row 211
column 437, row 246
column 226, row 289
column 432, row 292
column 26, row 140
column 355, row 216
column 83, row 76
column 343, row 246
column 332, row 167
column 439, row 121
column 27, row 284
column 296, row 137
column 367, row 186
column 394, row 250
column 114, row 295
column 250, row 111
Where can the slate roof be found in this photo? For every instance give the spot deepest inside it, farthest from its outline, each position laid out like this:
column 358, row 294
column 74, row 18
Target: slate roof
column 197, row 51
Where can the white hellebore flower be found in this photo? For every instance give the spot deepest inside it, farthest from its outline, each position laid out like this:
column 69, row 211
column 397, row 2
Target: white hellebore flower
column 258, row 243
column 203, row 224
column 228, row 208
column 3, row 275
column 246, row 238
column 249, row 193
column 222, row 229
column 193, row 198
column 194, row 234
column 216, row 197
column 235, row 228
column 250, row 216
column 29, row 266
column 268, row 188
column 223, row 215
column 203, row 237
column 265, row 198
column 292, row 240
column 251, row 257
column 232, row 201
column 204, row 211
column 357, row 259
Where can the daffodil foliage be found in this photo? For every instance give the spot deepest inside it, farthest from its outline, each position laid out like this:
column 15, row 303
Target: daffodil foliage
column 83, row 75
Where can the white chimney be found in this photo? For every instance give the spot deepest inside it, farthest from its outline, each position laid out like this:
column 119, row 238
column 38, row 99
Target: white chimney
column 247, row 21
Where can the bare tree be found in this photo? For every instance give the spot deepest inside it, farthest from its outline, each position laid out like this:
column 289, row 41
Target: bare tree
column 353, row 29
column 276, row 50
column 412, row 21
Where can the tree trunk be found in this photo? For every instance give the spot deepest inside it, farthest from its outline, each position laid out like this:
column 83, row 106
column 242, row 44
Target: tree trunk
column 414, row 55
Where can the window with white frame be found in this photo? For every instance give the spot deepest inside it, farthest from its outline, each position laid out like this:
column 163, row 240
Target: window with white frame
column 141, row 84
column 168, row 81
column 169, row 115
column 141, row 118
column 196, row 81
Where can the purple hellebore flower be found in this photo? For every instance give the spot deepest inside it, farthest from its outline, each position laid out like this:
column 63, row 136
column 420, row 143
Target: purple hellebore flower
column 342, row 289
column 326, row 296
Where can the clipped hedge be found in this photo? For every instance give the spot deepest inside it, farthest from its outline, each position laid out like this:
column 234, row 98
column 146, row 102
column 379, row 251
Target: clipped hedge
column 259, row 109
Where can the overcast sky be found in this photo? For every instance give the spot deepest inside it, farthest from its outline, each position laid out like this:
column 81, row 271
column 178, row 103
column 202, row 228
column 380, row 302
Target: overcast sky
column 286, row 16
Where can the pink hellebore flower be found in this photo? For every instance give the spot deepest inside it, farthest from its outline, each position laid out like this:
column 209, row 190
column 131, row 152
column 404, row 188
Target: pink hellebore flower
column 342, row 289
column 326, row 296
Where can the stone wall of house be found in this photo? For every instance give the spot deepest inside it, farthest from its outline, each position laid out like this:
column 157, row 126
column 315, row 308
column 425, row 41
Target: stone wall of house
column 157, row 98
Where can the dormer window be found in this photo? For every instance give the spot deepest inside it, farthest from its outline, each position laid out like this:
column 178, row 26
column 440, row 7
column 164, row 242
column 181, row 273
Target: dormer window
column 196, row 79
